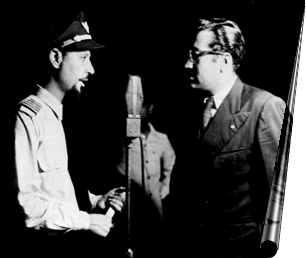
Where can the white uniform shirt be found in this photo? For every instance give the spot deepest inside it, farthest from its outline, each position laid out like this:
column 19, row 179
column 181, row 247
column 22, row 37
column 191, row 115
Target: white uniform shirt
column 46, row 192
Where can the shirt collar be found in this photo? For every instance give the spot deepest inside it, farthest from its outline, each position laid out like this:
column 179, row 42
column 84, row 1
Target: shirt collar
column 151, row 132
column 152, row 129
column 220, row 96
column 51, row 101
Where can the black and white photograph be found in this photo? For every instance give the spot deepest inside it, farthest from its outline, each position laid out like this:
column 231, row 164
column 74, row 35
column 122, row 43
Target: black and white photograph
column 150, row 129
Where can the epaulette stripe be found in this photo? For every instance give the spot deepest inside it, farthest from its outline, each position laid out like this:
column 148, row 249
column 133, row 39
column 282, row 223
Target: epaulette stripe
column 30, row 107
column 33, row 105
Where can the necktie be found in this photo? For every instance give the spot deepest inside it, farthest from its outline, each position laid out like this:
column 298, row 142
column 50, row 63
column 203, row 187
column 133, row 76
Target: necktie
column 207, row 111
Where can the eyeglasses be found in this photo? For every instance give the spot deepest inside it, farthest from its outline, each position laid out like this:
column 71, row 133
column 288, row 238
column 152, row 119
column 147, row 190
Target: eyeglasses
column 195, row 54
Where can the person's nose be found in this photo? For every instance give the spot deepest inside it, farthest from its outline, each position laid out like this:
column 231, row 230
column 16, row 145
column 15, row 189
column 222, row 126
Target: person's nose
column 189, row 64
column 90, row 68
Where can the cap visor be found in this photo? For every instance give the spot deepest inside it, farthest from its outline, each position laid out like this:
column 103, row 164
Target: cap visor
column 83, row 45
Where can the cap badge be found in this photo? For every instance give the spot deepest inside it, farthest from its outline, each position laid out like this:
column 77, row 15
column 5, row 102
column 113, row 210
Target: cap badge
column 86, row 27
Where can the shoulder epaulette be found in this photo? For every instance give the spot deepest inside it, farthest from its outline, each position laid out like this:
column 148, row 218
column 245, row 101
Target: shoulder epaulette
column 32, row 105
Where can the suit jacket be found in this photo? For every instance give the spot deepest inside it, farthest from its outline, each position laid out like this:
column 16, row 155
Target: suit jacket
column 224, row 178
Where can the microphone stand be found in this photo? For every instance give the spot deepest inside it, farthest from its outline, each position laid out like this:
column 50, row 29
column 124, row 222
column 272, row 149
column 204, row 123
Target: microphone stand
column 133, row 132
column 128, row 147
column 134, row 99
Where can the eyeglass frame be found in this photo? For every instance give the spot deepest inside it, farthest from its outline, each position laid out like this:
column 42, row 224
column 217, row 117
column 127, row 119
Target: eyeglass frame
column 200, row 53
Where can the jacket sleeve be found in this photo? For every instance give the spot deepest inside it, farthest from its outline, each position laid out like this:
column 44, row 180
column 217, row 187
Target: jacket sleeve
column 41, row 209
column 269, row 131
column 168, row 160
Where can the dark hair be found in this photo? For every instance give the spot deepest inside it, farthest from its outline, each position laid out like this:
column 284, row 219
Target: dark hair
column 227, row 38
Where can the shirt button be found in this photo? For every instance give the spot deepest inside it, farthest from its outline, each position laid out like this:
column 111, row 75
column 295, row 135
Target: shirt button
column 147, row 161
column 149, row 177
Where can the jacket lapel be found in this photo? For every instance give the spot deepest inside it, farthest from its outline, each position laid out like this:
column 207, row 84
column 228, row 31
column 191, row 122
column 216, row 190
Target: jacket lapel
column 226, row 122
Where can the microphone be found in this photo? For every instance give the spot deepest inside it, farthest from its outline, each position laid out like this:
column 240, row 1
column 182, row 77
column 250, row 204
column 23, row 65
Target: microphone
column 134, row 100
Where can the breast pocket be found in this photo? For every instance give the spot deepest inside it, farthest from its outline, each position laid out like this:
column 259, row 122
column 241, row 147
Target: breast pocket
column 153, row 162
column 232, row 151
column 52, row 155
column 232, row 162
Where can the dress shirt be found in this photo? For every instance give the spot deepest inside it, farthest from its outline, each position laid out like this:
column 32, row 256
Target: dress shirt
column 46, row 192
column 220, row 96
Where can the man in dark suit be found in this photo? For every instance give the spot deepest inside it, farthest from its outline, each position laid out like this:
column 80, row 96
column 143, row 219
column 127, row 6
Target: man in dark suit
column 223, row 174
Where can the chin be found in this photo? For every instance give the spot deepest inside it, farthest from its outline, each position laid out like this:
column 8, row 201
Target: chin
column 76, row 91
column 195, row 85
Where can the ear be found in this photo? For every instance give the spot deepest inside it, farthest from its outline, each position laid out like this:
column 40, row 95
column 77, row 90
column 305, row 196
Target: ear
column 56, row 58
column 227, row 58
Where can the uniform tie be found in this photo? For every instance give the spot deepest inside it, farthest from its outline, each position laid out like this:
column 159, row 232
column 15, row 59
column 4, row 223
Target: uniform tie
column 207, row 111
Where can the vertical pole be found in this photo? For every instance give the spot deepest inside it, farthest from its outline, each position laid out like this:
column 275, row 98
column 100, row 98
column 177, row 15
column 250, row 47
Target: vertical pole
column 129, row 144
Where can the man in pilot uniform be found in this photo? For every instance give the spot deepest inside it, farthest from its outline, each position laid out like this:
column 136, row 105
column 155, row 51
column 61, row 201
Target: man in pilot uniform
column 45, row 189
